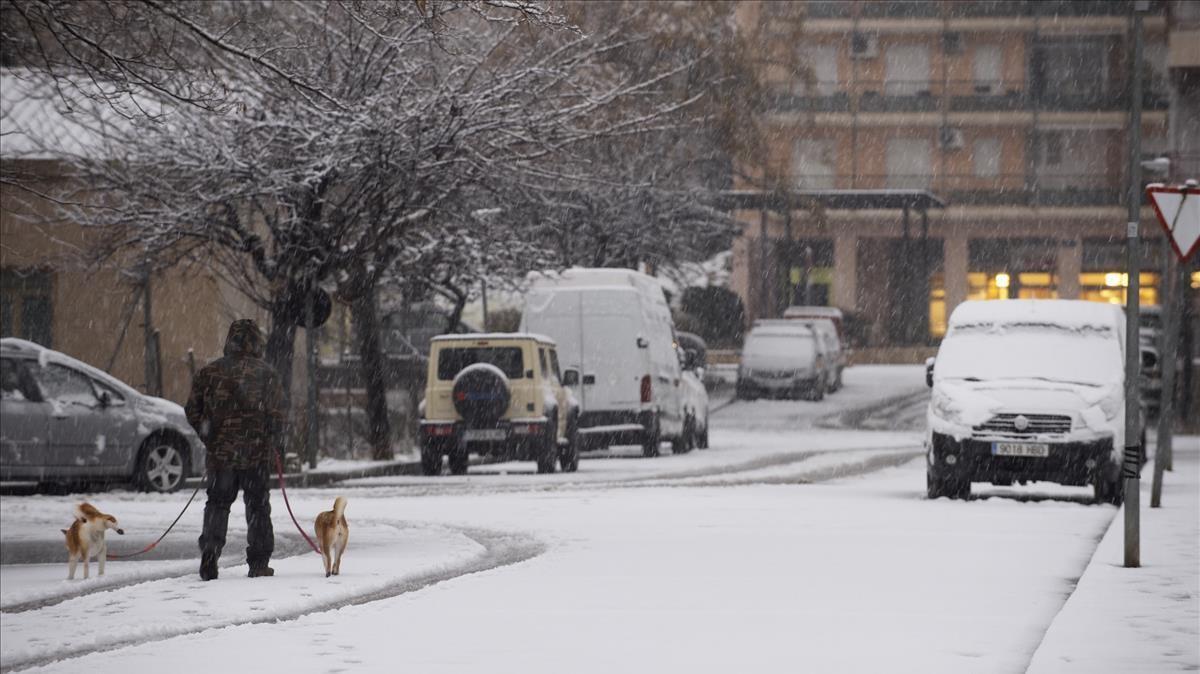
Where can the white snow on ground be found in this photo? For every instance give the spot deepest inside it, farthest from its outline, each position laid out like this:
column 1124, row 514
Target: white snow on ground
column 380, row 554
column 864, row 574
column 1145, row 619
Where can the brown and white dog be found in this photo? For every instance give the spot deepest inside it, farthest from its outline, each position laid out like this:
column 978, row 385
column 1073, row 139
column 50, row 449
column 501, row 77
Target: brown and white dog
column 85, row 538
column 332, row 535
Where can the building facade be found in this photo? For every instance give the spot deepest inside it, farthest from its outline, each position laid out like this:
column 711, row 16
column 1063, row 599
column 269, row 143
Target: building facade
column 1014, row 114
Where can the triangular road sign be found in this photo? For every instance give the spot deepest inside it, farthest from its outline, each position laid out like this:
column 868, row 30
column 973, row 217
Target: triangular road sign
column 1178, row 210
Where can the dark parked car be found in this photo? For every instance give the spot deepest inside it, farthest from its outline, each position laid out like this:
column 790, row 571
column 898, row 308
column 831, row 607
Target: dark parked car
column 63, row 421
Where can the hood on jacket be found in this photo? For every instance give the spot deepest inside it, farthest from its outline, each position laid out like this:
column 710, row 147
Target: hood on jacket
column 244, row 339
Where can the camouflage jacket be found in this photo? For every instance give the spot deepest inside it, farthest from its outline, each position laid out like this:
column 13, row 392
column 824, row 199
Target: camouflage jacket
column 236, row 403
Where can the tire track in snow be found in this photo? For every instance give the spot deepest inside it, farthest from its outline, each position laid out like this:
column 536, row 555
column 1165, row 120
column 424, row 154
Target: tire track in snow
column 501, row 549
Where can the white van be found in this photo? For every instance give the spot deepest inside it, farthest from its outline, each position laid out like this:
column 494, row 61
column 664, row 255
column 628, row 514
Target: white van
column 615, row 328
column 1028, row 390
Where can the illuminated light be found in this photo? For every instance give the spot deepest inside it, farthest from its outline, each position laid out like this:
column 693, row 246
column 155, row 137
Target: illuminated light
column 1002, row 280
column 1114, row 280
column 1196, row 280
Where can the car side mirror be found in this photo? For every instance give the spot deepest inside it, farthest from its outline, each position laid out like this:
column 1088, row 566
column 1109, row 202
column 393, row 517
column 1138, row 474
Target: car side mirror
column 570, row 377
column 643, row 343
column 929, row 371
column 691, row 359
column 105, row 399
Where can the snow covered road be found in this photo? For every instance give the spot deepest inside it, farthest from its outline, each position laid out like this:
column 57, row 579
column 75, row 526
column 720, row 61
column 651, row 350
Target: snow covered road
column 792, row 543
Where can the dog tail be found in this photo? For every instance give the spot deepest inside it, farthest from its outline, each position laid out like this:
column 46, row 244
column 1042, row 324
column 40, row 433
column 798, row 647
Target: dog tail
column 339, row 508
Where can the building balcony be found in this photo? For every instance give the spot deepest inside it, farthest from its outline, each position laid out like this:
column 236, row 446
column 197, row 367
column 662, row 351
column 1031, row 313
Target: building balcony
column 926, row 9
column 1091, row 189
column 959, row 96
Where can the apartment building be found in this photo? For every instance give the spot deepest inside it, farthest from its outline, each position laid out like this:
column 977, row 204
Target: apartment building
column 1013, row 114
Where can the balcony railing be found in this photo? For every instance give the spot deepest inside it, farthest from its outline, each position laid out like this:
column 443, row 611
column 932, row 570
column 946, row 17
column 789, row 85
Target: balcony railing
column 1084, row 189
column 962, row 95
column 842, row 9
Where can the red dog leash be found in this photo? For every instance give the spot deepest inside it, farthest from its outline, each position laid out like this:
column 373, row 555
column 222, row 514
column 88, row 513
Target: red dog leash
column 150, row 547
column 279, row 465
column 282, row 488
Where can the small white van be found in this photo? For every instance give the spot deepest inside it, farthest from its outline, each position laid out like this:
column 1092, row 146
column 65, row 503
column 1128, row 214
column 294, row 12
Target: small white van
column 1028, row 390
column 615, row 328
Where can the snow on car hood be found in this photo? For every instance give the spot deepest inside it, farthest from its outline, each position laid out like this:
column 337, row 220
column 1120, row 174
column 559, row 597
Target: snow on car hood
column 973, row 403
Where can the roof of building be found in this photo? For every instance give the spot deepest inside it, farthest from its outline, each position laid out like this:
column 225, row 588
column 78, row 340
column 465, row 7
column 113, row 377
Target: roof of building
column 831, row 199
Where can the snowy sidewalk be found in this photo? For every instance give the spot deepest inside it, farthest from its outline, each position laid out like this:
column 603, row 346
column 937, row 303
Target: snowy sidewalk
column 1138, row 620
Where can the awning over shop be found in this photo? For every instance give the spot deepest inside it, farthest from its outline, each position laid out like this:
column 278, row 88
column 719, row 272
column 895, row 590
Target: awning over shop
column 774, row 200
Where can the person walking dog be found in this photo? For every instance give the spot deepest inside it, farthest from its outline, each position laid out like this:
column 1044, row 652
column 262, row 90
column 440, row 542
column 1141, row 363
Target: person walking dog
column 236, row 407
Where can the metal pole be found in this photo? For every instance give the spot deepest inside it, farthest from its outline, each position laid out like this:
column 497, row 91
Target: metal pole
column 485, row 307
column 310, row 342
column 1166, row 405
column 763, row 271
column 1132, row 464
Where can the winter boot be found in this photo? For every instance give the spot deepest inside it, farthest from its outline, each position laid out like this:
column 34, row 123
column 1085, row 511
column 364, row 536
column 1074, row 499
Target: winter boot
column 208, row 566
column 261, row 571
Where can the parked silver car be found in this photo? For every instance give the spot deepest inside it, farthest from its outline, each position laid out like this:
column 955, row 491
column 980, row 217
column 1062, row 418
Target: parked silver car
column 63, row 421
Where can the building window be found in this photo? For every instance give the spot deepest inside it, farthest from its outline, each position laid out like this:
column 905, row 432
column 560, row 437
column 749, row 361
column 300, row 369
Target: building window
column 906, row 70
column 909, row 163
column 822, row 63
column 1104, row 278
column 937, row 305
column 812, row 164
column 986, row 157
column 1001, row 269
column 1072, row 67
column 26, row 307
column 986, row 68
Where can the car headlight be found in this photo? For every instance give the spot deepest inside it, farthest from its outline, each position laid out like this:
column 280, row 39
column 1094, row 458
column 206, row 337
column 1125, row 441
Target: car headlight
column 1111, row 407
column 943, row 407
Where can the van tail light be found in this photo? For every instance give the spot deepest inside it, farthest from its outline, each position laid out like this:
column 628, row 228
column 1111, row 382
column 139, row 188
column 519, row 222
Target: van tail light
column 646, row 389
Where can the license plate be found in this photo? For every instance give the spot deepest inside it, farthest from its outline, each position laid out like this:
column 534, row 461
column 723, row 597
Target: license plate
column 1036, row 449
column 484, row 434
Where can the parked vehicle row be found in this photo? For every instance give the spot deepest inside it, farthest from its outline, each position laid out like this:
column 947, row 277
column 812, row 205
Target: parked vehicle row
column 801, row 355
column 597, row 362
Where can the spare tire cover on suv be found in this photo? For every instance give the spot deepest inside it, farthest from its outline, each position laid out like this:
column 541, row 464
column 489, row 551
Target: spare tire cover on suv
column 481, row 394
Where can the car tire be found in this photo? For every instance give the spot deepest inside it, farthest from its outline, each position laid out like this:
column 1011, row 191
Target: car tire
column 1109, row 491
column 547, row 459
column 952, row 489
column 682, row 443
column 744, row 393
column 162, row 465
column 431, row 462
column 459, row 461
column 702, row 437
column 817, row 393
column 651, row 441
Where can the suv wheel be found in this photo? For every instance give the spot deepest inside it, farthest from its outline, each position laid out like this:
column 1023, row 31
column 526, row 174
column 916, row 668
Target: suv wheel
column 162, row 468
column 953, row 489
column 568, row 456
column 547, row 458
column 459, row 460
column 702, row 437
column 431, row 461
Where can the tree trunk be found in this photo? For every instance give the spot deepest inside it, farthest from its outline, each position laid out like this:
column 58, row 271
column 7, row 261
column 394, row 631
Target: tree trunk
column 281, row 347
column 366, row 329
column 460, row 302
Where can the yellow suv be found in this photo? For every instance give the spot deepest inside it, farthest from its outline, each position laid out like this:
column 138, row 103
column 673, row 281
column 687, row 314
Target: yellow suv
column 501, row 395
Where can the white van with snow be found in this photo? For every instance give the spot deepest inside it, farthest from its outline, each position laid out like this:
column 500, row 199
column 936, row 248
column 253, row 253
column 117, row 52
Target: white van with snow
column 1028, row 390
column 615, row 328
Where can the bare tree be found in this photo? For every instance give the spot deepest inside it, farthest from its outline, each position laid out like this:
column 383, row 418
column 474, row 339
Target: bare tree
column 339, row 148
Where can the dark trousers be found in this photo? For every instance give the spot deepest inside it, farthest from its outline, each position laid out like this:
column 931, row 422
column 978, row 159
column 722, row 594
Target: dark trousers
column 223, row 485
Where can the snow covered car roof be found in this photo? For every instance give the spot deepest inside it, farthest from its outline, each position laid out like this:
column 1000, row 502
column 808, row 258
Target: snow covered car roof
column 1069, row 314
column 482, row 336
column 44, row 355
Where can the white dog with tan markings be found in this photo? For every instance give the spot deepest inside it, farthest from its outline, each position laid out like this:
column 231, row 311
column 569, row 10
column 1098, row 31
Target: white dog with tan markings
column 85, row 538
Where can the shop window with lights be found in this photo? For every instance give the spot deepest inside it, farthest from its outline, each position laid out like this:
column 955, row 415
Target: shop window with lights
column 1002, row 269
column 1104, row 278
column 937, row 305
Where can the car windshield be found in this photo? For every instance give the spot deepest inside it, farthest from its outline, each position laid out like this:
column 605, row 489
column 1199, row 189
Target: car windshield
column 776, row 343
column 451, row 361
column 1091, row 357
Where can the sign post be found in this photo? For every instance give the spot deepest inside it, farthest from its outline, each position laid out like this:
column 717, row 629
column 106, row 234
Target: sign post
column 1178, row 211
column 1131, row 466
